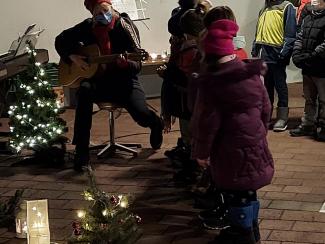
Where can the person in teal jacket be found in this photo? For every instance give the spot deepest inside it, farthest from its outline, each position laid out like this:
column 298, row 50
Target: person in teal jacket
column 274, row 41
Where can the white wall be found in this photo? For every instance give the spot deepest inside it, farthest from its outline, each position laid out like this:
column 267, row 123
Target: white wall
column 56, row 15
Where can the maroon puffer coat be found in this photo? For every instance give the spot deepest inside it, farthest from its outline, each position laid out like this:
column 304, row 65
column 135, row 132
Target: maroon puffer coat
column 229, row 125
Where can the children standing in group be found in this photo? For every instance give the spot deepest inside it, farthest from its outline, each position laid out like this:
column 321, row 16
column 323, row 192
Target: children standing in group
column 229, row 127
column 174, row 92
column 274, row 40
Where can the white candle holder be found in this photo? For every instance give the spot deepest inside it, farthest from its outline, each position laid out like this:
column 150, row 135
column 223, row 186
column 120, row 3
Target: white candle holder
column 38, row 222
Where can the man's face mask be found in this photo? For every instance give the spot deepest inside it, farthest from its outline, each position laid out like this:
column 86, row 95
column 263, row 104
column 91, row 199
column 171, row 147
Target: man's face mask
column 104, row 19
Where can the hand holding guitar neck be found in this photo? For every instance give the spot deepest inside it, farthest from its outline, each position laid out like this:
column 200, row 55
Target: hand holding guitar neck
column 122, row 61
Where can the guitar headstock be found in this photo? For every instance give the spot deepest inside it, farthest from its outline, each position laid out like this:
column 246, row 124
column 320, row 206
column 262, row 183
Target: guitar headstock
column 139, row 55
column 144, row 54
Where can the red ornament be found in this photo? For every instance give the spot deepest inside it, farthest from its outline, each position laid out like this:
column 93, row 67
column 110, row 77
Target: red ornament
column 113, row 200
column 76, row 228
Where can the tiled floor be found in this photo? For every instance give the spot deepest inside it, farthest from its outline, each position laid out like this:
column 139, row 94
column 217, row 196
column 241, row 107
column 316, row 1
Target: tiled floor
column 290, row 206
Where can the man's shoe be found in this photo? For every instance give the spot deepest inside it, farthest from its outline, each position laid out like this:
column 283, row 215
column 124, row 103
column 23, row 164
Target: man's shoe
column 320, row 134
column 156, row 136
column 303, row 130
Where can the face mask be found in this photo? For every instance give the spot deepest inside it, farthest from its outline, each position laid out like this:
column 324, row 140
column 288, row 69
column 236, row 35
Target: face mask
column 104, row 19
column 239, row 42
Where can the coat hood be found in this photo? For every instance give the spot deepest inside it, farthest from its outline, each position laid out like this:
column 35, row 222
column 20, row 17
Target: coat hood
column 235, row 70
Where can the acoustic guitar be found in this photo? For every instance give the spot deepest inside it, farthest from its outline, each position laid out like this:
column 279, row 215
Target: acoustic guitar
column 71, row 75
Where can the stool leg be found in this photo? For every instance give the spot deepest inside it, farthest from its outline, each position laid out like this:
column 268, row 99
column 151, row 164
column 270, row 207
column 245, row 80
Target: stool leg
column 111, row 127
column 126, row 149
column 109, row 148
column 112, row 145
column 134, row 145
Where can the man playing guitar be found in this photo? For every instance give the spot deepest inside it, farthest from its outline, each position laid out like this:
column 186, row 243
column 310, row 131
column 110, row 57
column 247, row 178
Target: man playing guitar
column 114, row 82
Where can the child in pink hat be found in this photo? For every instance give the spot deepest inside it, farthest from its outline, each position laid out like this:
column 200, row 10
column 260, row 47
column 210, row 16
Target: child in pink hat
column 229, row 127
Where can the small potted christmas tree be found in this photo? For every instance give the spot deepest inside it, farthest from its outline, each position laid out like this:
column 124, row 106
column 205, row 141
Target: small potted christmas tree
column 107, row 220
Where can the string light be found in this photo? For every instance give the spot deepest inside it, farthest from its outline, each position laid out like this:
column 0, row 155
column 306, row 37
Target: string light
column 81, row 214
column 26, row 116
column 88, row 196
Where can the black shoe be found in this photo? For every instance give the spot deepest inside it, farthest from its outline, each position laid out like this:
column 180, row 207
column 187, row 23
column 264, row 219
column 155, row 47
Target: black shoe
column 320, row 134
column 303, row 130
column 156, row 136
column 178, row 153
column 215, row 219
column 170, row 153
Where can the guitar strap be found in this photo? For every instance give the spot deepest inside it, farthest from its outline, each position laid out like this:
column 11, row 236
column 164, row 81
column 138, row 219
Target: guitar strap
column 131, row 29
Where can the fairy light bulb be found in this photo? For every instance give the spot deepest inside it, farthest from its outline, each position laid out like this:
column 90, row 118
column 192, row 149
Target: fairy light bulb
column 81, row 214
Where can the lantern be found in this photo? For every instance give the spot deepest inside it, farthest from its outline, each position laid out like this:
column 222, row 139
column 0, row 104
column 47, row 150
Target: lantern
column 21, row 221
column 38, row 222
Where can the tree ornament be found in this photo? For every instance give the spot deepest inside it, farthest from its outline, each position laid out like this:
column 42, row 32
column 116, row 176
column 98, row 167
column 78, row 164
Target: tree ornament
column 76, row 228
column 113, row 200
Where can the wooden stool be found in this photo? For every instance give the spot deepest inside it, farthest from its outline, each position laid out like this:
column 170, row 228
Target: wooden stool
column 112, row 146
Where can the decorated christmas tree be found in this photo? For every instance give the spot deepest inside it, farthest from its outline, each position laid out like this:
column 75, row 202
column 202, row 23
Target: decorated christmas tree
column 107, row 219
column 34, row 119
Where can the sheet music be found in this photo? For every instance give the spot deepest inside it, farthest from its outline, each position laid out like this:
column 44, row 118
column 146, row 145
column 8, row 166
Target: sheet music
column 134, row 8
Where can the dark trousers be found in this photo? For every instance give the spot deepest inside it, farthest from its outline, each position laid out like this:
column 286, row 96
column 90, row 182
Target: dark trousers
column 276, row 78
column 132, row 98
column 314, row 88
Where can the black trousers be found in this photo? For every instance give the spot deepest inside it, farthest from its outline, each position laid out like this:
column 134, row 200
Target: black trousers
column 129, row 96
column 276, row 78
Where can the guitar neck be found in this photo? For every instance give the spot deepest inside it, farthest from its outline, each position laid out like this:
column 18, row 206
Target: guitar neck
column 103, row 59
column 111, row 58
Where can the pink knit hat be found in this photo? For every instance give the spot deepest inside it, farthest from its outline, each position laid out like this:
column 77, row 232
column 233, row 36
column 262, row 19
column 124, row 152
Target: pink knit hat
column 219, row 40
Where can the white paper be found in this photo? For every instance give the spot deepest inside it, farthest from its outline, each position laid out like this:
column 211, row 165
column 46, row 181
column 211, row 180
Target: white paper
column 127, row 6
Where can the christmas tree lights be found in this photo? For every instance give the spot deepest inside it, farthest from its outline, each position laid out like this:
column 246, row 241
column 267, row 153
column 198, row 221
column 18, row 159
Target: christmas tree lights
column 107, row 220
column 34, row 119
